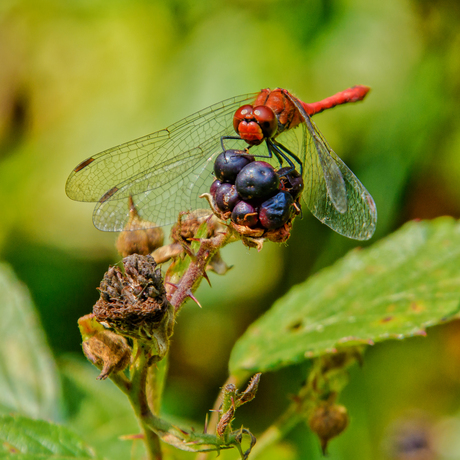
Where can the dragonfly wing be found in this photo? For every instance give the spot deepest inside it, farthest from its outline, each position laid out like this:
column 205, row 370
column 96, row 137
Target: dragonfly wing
column 333, row 177
column 332, row 192
column 359, row 218
column 154, row 168
column 92, row 178
column 162, row 192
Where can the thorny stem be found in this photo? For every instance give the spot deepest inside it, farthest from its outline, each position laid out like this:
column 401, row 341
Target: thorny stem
column 197, row 267
column 144, row 386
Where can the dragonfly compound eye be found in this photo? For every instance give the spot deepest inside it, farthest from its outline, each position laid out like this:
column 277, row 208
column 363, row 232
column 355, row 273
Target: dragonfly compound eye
column 266, row 119
column 245, row 112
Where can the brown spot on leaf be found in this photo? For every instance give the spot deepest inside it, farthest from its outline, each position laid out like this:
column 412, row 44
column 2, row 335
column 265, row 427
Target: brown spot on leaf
column 414, row 306
column 295, row 326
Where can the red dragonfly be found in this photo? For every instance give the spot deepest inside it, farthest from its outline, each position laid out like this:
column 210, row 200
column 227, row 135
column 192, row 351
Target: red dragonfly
column 166, row 172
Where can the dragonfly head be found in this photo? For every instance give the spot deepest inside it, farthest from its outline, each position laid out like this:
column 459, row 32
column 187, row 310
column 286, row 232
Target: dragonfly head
column 254, row 124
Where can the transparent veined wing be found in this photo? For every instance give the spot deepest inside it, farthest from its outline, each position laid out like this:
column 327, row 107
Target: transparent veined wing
column 164, row 172
column 332, row 193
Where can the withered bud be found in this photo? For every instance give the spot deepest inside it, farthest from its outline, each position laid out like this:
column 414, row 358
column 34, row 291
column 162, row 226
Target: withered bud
column 327, row 421
column 107, row 351
column 229, row 393
column 134, row 304
column 225, row 421
column 140, row 236
column 250, row 393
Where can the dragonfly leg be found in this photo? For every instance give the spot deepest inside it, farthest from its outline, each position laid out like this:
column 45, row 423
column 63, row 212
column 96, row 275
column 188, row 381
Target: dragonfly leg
column 280, row 148
column 271, row 151
column 238, row 138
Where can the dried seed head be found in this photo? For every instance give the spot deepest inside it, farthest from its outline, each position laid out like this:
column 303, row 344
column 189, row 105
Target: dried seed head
column 107, row 351
column 327, row 421
column 140, row 236
column 134, row 304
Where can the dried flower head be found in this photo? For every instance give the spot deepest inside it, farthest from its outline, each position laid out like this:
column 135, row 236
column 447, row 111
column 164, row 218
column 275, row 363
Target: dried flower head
column 134, row 304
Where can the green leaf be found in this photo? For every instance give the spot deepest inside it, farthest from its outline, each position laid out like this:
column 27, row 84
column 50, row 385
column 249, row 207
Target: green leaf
column 394, row 289
column 24, row 438
column 29, row 382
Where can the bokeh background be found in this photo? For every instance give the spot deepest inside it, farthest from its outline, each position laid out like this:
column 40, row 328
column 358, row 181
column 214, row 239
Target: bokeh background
column 80, row 76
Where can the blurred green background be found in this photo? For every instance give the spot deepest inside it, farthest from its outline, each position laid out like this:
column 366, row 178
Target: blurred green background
column 80, row 76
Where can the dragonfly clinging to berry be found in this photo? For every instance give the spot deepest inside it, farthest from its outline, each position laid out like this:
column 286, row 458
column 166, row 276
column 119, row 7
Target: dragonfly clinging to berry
column 166, row 172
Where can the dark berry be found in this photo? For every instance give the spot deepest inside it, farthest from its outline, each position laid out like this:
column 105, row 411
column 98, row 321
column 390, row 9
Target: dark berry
column 291, row 182
column 214, row 187
column 229, row 163
column 276, row 211
column 244, row 214
column 226, row 197
column 257, row 180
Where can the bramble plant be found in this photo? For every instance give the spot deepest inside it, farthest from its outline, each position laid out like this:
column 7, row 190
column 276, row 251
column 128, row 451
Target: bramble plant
column 394, row 289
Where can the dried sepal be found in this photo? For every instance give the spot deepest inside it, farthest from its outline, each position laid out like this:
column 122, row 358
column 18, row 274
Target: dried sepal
column 189, row 223
column 239, row 437
column 107, row 351
column 167, row 252
column 134, row 304
column 89, row 326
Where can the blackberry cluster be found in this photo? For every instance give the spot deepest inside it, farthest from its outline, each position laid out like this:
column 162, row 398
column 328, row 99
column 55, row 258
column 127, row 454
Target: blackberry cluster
column 256, row 195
